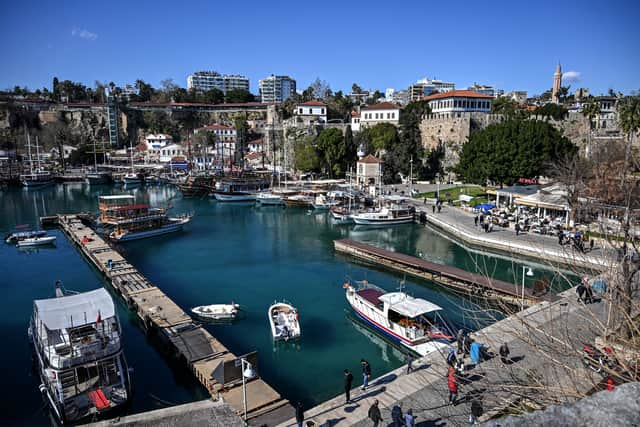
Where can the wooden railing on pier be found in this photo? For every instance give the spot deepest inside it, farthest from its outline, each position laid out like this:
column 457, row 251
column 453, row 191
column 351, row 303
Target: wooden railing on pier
column 183, row 338
column 451, row 277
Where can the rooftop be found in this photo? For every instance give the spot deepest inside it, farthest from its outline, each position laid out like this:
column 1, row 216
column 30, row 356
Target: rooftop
column 370, row 159
column 75, row 310
column 382, row 106
column 314, row 104
column 407, row 305
column 457, row 94
column 217, row 127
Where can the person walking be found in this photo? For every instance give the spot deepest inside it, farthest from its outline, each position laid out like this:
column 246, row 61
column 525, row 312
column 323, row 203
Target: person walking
column 366, row 373
column 476, row 412
column 475, row 220
column 396, row 416
column 504, row 353
column 408, row 358
column 451, row 357
column 460, row 340
column 299, row 414
column 348, row 381
column 374, row 413
column 517, row 229
column 433, row 208
column 452, row 383
column 409, row 419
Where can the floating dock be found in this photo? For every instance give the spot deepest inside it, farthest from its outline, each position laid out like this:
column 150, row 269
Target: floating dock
column 183, row 338
column 451, row 277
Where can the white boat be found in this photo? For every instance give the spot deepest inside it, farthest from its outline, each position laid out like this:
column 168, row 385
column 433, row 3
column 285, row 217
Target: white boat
column 130, row 178
column 78, row 349
column 322, row 202
column 236, row 196
column 268, row 198
column 217, row 311
column 21, row 235
column 301, row 200
column 283, row 318
column 341, row 215
column 388, row 215
column 172, row 225
column 413, row 322
column 36, row 241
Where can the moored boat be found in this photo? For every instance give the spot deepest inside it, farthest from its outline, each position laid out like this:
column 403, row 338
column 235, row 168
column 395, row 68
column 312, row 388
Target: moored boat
column 94, row 177
column 36, row 241
column 284, row 321
column 131, row 178
column 300, row 200
column 392, row 213
column 341, row 215
column 269, row 199
column 78, row 349
column 21, row 235
column 217, row 311
column 413, row 322
column 323, row 202
column 242, row 189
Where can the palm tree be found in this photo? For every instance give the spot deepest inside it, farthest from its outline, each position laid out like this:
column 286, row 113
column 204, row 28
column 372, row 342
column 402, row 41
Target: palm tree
column 590, row 110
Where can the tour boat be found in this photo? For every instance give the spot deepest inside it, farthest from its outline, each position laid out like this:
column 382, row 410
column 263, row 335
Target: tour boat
column 268, row 198
column 37, row 179
column 300, row 200
column 341, row 215
column 323, row 202
column 78, row 349
column 96, row 177
column 217, row 311
column 413, row 322
column 283, row 318
column 132, row 221
column 242, row 189
column 387, row 215
column 36, row 241
column 21, row 235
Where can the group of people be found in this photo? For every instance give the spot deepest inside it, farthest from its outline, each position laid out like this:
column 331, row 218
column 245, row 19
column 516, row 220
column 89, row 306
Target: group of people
column 485, row 222
column 348, row 379
column 576, row 240
column 399, row 420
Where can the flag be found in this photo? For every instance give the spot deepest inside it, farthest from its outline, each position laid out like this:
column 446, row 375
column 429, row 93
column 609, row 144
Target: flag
column 99, row 319
column 22, row 226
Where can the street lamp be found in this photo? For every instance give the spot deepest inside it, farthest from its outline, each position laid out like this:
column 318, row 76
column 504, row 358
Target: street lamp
column 411, row 177
column 529, row 273
column 247, row 374
column 438, row 186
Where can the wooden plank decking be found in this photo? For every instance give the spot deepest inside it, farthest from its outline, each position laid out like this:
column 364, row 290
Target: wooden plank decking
column 452, row 277
column 186, row 339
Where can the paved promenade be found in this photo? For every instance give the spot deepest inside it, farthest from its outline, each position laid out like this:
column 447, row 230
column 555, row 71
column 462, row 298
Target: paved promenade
column 460, row 224
column 545, row 342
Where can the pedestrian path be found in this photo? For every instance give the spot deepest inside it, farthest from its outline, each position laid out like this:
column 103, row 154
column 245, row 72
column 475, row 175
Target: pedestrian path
column 557, row 327
column 460, row 225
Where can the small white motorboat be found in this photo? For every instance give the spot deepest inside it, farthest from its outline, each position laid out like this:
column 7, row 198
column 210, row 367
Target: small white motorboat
column 284, row 321
column 36, row 241
column 217, row 311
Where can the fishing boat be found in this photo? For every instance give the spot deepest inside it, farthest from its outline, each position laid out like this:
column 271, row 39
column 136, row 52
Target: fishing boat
column 323, row 202
column 131, row 178
column 131, row 221
column 284, row 321
column 243, row 189
column 391, row 211
column 36, row 241
column 304, row 199
column 413, row 322
column 268, row 198
column 195, row 185
column 21, row 235
column 78, row 348
column 341, row 215
column 218, row 312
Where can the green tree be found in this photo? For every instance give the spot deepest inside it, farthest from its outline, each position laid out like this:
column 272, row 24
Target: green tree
column 513, row 149
column 356, row 89
column 239, row 96
column 504, row 106
column 591, row 110
column 56, row 89
column 551, row 110
column 145, row 91
column 380, row 137
column 331, row 148
column 307, row 158
column 213, row 96
column 350, row 150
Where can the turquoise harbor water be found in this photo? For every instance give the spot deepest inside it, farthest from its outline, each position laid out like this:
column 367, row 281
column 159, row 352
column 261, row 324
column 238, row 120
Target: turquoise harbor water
column 229, row 252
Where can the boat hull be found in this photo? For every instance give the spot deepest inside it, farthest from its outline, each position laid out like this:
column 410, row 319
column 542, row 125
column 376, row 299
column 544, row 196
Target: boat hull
column 98, row 179
column 36, row 241
column 380, row 221
column 234, row 197
column 37, row 183
column 165, row 229
column 291, row 328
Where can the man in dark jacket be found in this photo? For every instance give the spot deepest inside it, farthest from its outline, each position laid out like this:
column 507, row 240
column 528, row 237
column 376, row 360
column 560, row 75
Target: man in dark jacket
column 348, row 380
column 366, row 373
column 299, row 414
column 374, row 413
column 396, row 416
column 504, row 353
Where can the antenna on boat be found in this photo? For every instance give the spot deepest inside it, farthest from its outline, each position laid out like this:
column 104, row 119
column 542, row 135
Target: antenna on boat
column 402, row 286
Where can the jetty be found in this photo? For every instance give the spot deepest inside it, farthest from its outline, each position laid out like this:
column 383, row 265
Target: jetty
column 181, row 337
column 453, row 278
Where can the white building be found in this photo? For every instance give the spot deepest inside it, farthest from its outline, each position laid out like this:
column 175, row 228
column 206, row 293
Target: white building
column 369, row 172
column 156, row 141
column 459, row 101
column 166, row 153
column 66, row 152
column 207, row 80
column 426, row 87
column 311, row 112
column 276, row 89
column 385, row 112
column 255, row 146
column 483, row 89
column 223, row 133
column 355, row 121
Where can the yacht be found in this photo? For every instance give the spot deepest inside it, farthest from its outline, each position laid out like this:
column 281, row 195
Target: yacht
column 303, row 199
column 78, row 349
column 239, row 189
column 284, row 321
column 269, row 198
column 36, row 241
column 323, row 202
column 392, row 212
column 131, row 178
column 39, row 177
column 131, row 221
column 413, row 322
column 21, row 235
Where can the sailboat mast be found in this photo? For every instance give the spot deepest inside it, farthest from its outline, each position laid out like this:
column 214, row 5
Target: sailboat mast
column 29, row 148
column 38, row 154
column 95, row 157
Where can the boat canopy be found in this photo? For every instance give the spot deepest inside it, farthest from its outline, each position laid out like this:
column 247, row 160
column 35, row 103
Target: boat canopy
column 75, row 310
column 118, row 197
column 407, row 305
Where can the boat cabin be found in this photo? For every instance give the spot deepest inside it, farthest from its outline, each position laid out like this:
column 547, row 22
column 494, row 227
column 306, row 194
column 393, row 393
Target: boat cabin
column 419, row 317
column 118, row 209
column 76, row 329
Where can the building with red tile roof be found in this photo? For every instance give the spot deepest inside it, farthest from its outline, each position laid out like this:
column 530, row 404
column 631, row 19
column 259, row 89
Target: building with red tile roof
column 459, row 101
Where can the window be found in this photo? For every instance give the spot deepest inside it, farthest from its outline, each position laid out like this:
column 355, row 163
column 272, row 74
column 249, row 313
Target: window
column 322, row 111
column 388, row 115
column 300, row 111
column 393, row 115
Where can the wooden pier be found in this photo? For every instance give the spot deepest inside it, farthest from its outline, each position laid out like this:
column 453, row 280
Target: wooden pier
column 451, row 277
column 182, row 337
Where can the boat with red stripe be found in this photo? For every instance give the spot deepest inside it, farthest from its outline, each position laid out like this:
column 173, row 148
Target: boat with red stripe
column 413, row 322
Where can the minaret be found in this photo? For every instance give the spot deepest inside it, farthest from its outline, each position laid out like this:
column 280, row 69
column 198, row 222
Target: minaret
column 557, row 82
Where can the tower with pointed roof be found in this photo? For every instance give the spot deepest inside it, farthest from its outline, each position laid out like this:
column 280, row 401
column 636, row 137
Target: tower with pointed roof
column 557, row 82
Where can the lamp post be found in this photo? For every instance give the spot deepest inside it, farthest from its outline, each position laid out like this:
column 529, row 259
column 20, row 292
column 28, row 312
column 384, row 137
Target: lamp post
column 411, row 177
column 438, row 186
column 529, row 273
column 247, row 374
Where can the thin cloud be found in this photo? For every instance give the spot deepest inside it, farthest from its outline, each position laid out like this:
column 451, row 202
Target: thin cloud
column 84, row 34
column 571, row 76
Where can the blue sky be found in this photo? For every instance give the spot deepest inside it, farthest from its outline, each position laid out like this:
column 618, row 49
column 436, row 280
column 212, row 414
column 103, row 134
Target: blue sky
column 513, row 45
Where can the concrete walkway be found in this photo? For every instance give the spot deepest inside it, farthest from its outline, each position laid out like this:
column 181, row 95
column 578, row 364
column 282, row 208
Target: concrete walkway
column 460, row 225
column 545, row 342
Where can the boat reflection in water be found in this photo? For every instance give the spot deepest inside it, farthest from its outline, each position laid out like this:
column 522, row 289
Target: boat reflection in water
column 389, row 352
